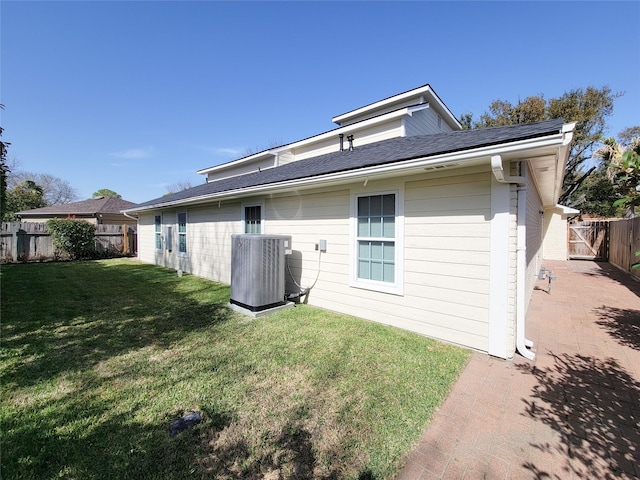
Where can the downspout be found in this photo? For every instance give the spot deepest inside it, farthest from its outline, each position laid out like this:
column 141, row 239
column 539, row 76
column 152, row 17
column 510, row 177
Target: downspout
column 522, row 343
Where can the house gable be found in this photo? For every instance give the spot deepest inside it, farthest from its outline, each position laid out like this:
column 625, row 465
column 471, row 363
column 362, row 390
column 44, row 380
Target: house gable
column 415, row 112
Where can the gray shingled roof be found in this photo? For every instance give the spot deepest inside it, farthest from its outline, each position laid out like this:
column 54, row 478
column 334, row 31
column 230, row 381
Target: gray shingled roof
column 85, row 207
column 373, row 154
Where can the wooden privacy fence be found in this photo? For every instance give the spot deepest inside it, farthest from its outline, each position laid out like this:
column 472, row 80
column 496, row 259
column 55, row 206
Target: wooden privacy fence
column 30, row 241
column 624, row 241
column 589, row 240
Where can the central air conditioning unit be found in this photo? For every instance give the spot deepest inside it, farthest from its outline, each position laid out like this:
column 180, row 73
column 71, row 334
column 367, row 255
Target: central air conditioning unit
column 257, row 270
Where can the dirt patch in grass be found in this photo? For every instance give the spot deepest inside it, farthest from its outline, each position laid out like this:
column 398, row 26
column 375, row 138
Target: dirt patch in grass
column 289, row 428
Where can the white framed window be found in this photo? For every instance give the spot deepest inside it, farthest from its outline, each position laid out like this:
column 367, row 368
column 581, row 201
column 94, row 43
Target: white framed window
column 158, row 232
column 253, row 218
column 182, row 233
column 377, row 242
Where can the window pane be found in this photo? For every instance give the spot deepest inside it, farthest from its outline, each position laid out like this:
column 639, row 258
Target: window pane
column 389, row 228
column 389, row 269
column 363, row 250
column 375, row 205
column 376, row 250
column 182, row 243
column 158, row 223
column 389, row 252
column 363, row 270
column 363, row 206
column 363, row 227
column 376, row 271
column 389, row 205
column 376, row 227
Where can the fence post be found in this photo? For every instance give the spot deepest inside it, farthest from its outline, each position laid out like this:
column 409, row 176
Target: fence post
column 15, row 228
column 125, row 239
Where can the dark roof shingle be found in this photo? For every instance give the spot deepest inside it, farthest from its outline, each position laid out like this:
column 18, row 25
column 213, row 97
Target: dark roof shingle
column 373, row 154
column 85, row 207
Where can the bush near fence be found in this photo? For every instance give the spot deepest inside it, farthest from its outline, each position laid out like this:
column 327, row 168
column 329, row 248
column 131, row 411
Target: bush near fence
column 31, row 242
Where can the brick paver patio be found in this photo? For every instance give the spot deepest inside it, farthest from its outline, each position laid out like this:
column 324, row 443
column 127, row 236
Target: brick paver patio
column 573, row 413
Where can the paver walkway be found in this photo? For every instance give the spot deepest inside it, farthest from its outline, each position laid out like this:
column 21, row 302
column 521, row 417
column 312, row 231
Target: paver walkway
column 573, row 413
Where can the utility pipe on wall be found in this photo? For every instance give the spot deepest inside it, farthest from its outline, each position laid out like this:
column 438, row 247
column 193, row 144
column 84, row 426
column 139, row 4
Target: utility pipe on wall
column 522, row 343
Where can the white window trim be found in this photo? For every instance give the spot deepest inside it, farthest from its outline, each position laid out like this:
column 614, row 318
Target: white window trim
column 156, row 233
column 253, row 204
column 186, row 233
column 397, row 287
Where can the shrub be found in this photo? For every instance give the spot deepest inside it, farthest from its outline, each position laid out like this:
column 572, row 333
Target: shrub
column 73, row 237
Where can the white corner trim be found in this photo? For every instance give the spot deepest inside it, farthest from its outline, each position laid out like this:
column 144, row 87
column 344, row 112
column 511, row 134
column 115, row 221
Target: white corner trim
column 499, row 270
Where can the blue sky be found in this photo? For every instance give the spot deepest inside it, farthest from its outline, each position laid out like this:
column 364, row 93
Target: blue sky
column 133, row 96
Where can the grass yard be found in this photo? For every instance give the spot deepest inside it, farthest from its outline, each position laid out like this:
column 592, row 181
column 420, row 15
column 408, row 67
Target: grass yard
column 97, row 358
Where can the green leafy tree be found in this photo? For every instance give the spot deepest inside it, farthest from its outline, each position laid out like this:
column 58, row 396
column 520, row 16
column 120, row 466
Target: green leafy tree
column 597, row 195
column 72, row 237
column 589, row 108
column 105, row 192
column 24, row 196
column 623, row 169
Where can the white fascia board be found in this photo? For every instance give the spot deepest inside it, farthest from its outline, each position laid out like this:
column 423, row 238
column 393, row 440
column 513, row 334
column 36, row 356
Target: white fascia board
column 382, row 103
column 568, row 129
column 417, row 108
column 566, row 210
column 399, row 167
column 234, row 163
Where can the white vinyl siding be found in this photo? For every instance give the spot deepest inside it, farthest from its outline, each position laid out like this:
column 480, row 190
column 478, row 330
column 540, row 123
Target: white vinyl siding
column 443, row 242
column 446, row 243
column 210, row 229
column 534, row 238
column 555, row 235
column 375, row 133
column 241, row 168
column 425, row 122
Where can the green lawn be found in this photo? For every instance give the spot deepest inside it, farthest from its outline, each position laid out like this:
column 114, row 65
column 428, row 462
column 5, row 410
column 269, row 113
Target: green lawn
column 98, row 357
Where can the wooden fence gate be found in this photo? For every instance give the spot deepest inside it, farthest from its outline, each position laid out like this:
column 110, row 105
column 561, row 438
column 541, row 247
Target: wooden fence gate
column 589, row 240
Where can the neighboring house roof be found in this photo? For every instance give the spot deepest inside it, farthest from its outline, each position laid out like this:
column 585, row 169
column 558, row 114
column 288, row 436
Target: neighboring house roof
column 392, row 151
column 93, row 206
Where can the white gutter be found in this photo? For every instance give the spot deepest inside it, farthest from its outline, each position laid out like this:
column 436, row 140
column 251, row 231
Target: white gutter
column 522, row 343
column 417, row 163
